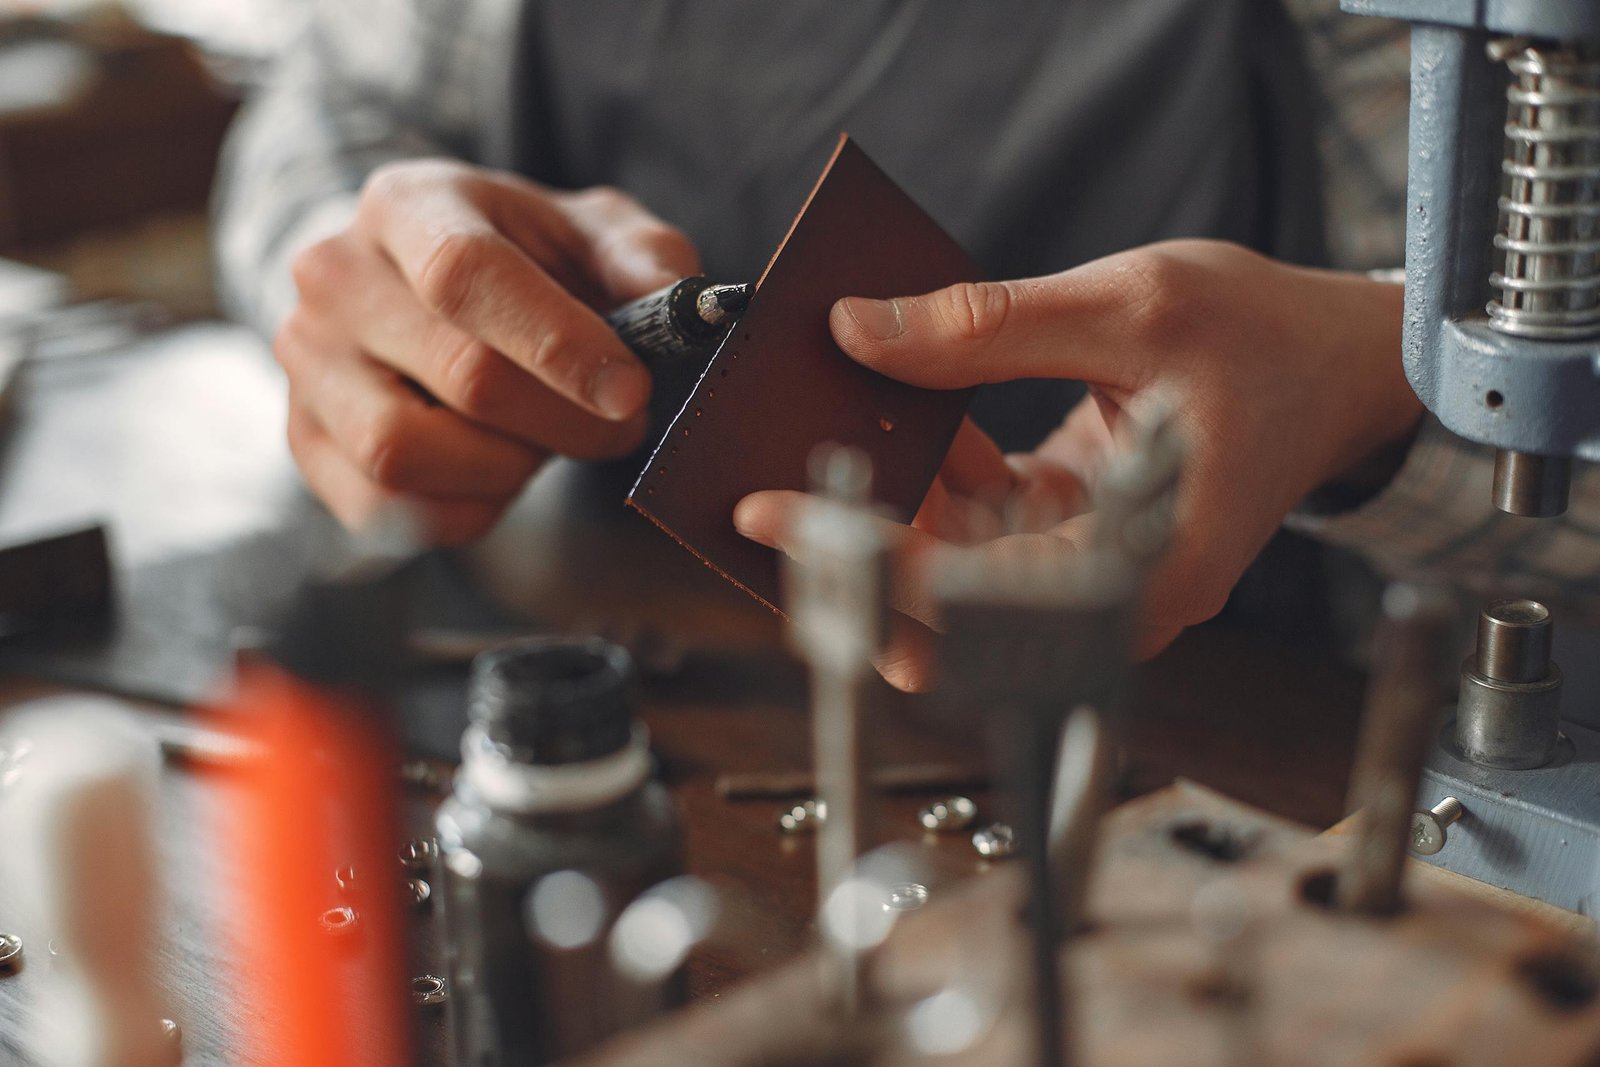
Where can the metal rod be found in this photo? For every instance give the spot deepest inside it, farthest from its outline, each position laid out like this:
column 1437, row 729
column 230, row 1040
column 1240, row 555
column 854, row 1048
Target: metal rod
column 1514, row 638
column 1396, row 733
column 1531, row 485
column 1508, row 713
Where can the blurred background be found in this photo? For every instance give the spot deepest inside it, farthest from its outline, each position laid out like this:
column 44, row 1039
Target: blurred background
column 111, row 117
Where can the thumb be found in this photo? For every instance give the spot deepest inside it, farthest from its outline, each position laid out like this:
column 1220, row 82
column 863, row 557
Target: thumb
column 1069, row 325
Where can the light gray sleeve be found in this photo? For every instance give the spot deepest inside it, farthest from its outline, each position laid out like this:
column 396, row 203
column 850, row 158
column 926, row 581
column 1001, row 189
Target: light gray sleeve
column 364, row 83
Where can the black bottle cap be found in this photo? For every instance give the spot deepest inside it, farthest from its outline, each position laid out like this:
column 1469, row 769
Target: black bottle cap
column 554, row 699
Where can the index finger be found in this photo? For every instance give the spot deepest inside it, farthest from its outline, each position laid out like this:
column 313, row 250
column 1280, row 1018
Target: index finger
column 468, row 273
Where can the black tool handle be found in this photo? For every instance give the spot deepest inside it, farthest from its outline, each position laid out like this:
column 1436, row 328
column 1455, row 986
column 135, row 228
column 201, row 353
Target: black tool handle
column 665, row 325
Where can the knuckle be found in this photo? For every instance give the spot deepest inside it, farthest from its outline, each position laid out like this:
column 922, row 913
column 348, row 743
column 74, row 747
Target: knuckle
column 1159, row 293
column 381, row 452
column 317, row 267
column 554, row 359
column 445, row 283
column 473, row 379
column 663, row 239
column 388, row 180
column 976, row 311
column 291, row 344
column 606, row 198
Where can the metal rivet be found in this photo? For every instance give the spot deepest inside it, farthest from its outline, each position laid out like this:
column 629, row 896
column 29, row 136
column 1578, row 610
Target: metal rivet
column 995, row 841
column 345, row 878
column 429, row 989
column 419, row 853
column 418, row 892
column 908, row 896
column 1428, row 827
column 338, row 920
column 948, row 815
column 10, row 954
column 804, row 818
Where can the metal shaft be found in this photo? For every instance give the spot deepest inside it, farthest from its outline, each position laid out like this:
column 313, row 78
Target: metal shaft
column 1531, row 485
column 836, row 599
column 836, row 741
column 1396, row 732
column 1509, row 712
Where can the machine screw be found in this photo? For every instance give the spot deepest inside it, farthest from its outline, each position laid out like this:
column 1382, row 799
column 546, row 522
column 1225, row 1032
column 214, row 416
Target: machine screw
column 10, row 954
column 995, row 841
column 1428, row 827
column 950, row 814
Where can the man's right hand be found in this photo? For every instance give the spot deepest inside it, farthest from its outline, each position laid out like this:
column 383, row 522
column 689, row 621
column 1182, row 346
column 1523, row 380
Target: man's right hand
column 485, row 290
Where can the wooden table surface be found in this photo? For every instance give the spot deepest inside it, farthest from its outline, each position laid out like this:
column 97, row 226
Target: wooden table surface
column 1273, row 726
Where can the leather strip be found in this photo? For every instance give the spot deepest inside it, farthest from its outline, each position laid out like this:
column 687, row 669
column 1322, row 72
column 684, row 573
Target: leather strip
column 779, row 386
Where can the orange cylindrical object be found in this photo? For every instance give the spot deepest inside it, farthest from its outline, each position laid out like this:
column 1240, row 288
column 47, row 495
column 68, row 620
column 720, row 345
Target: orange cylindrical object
column 322, row 794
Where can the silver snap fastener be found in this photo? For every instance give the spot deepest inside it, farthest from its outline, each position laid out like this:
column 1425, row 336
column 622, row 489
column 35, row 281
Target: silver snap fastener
column 340, row 920
column 948, row 815
column 995, row 841
column 419, row 853
column 418, row 892
column 10, row 954
column 908, row 896
column 804, row 818
column 429, row 989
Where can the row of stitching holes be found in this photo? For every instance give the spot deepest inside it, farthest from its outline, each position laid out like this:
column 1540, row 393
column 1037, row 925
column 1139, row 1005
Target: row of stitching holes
column 711, row 394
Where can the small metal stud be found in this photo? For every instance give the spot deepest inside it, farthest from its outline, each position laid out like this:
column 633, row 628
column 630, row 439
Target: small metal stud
column 418, row 892
column 908, row 896
column 804, row 818
column 1428, row 827
column 340, row 920
column 948, row 815
column 995, row 841
column 345, row 878
column 429, row 989
column 10, row 954
column 419, row 853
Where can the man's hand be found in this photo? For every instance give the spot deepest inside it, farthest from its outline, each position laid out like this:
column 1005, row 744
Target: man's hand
column 1283, row 378
column 450, row 339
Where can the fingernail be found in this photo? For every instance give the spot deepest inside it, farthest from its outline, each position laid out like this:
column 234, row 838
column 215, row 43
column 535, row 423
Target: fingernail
column 878, row 319
column 620, row 389
column 743, row 516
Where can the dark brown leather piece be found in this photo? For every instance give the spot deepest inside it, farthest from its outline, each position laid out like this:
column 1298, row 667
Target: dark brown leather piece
column 779, row 386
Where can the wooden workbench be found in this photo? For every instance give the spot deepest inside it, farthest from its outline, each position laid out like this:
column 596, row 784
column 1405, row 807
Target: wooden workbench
column 1268, row 724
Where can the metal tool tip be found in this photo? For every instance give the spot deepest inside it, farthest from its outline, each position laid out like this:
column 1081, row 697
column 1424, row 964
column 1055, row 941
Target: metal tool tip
column 718, row 304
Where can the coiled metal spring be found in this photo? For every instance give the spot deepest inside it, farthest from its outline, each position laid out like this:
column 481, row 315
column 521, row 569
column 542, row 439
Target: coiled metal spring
column 1549, row 280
